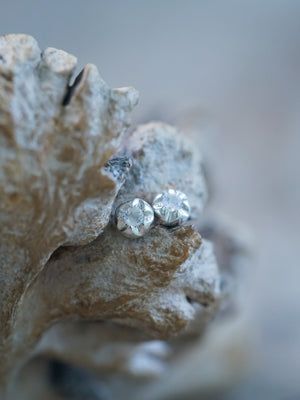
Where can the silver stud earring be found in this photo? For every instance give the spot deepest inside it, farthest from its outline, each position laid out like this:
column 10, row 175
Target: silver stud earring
column 171, row 207
column 134, row 218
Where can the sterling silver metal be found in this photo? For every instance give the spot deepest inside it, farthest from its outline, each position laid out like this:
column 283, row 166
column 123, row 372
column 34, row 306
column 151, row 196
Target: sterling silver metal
column 171, row 207
column 134, row 218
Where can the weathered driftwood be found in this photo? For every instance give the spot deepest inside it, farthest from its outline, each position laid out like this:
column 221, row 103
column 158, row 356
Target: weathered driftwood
column 66, row 163
column 123, row 363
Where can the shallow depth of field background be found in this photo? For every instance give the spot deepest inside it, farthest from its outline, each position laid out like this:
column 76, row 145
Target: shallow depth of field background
column 237, row 63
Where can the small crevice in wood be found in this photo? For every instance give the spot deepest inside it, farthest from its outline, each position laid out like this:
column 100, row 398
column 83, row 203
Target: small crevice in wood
column 71, row 88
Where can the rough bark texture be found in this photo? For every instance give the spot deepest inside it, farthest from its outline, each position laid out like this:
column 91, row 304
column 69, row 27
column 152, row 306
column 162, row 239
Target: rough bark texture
column 65, row 165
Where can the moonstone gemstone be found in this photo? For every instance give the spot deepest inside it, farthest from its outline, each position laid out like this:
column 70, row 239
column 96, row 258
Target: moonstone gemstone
column 171, row 207
column 134, row 218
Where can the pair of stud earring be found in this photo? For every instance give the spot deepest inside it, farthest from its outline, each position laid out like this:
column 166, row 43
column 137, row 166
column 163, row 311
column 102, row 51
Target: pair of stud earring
column 135, row 217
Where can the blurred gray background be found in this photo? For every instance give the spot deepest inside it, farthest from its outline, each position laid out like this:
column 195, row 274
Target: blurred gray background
column 238, row 63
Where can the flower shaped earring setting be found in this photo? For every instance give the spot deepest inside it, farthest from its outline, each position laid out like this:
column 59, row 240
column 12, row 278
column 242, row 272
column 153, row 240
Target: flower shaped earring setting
column 135, row 217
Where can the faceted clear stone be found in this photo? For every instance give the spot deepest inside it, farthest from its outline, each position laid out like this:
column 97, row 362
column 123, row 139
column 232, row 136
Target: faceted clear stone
column 171, row 207
column 134, row 218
